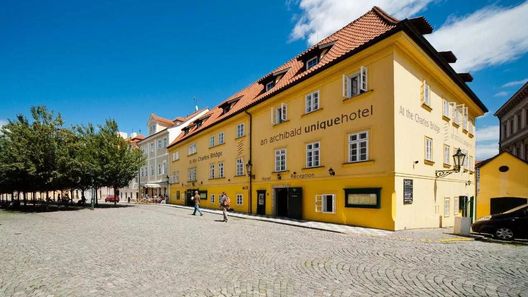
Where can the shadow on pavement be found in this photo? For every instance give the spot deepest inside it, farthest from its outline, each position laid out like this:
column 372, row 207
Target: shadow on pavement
column 53, row 207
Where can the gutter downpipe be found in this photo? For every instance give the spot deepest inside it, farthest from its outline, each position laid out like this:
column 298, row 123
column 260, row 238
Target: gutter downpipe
column 250, row 174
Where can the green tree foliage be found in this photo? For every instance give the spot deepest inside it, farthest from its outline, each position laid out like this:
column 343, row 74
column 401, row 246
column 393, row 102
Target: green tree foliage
column 43, row 155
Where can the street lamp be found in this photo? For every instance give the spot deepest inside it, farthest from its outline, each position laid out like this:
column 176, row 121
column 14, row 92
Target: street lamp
column 249, row 167
column 458, row 159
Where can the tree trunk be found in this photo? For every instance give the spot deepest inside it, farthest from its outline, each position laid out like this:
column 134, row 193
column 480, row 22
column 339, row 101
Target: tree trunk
column 96, row 197
column 116, row 195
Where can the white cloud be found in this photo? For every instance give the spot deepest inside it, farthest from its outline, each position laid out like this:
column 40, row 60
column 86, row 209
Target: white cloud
column 490, row 133
column 321, row 18
column 485, row 151
column 515, row 83
column 489, row 36
column 501, row 94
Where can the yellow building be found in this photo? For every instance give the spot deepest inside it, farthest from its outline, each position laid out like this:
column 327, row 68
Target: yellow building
column 351, row 131
column 502, row 184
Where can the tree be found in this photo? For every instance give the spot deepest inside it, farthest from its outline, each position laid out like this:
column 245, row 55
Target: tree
column 118, row 162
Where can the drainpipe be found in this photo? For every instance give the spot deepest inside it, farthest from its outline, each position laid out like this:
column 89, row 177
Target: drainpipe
column 250, row 198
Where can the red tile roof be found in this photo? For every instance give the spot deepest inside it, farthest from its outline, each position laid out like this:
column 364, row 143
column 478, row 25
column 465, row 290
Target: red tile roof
column 162, row 120
column 371, row 27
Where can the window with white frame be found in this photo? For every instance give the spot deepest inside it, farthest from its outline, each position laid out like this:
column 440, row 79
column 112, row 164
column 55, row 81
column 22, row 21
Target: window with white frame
column 240, row 130
column 164, row 167
column 312, row 62
column 152, row 129
column 152, row 148
column 192, row 149
column 457, row 113
column 175, row 156
column 239, row 167
column 239, row 199
column 159, row 169
column 358, row 147
column 455, row 206
column 211, row 141
column 279, row 114
column 447, row 154
column 176, row 176
column 192, row 174
column 211, row 170
column 165, row 142
column 312, row 102
column 447, row 207
column 465, row 118
column 312, row 154
column 270, row 85
column 221, row 169
column 212, row 198
column 160, row 144
column 355, row 84
column 426, row 93
column 152, row 172
column 221, row 138
column 445, row 108
column 428, row 149
column 325, row 203
column 280, row 160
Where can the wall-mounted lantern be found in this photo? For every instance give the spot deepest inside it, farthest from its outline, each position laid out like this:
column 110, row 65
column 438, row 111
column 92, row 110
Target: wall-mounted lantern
column 458, row 159
column 331, row 171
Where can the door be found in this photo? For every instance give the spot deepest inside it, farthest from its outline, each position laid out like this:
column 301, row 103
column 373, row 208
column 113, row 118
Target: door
column 188, row 194
column 281, row 197
column 295, row 203
column 261, row 202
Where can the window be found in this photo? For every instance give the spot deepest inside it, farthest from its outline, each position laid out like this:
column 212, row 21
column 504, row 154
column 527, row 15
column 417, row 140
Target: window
column 175, row 156
column 159, row 169
column 279, row 114
column 280, row 160
column 270, row 85
column 164, row 142
column 176, row 176
column 152, row 170
column 152, row 148
column 212, row 198
column 192, row 174
column 160, row 144
column 358, row 147
column 445, row 108
column 325, row 203
column 447, row 207
column 465, row 118
column 152, row 129
column 240, row 130
column 192, row 149
column 211, row 170
column 312, row 102
column 447, row 154
column 239, row 167
column 355, row 84
column 457, row 113
column 312, row 62
column 312, row 154
column 428, row 149
column 177, row 195
column 455, row 206
column 164, row 167
column 426, row 93
column 363, row 197
column 211, row 141
column 221, row 138
column 239, row 199
column 221, row 169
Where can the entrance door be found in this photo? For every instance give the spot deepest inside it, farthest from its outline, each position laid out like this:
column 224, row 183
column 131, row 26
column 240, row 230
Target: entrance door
column 261, row 202
column 281, row 196
column 188, row 194
column 295, row 203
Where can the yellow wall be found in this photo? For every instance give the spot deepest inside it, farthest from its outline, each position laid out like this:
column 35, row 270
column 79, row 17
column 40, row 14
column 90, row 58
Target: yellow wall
column 493, row 183
column 395, row 142
column 414, row 122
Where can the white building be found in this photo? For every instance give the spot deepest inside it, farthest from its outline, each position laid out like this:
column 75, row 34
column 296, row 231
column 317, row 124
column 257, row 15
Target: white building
column 153, row 177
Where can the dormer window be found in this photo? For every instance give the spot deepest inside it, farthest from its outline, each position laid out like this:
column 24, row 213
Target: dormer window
column 270, row 85
column 312, row 62
column 185, row 130
column 226, row 106
column 197, row 123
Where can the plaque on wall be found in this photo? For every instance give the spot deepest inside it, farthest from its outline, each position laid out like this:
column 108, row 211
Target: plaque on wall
column 407, row 191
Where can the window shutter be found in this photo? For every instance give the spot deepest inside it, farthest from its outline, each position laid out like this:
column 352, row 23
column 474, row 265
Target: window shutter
column 363, row 83
column 346, row 86
column 283, row 112
column 318, row 203
column 333, row 203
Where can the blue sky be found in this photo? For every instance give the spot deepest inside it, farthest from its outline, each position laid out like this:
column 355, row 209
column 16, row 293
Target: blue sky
column 92, row 60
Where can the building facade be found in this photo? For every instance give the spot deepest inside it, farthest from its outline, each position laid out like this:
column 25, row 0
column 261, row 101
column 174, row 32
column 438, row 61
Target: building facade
column 351, row 131
column 153, row 177
column 131, row 192
column 513, row 117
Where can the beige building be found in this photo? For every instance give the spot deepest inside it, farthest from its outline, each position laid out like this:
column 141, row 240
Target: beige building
column 153, row 177
column 513, row 117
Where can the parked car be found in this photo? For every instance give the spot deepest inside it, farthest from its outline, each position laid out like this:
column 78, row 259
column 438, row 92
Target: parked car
column 112, row 198
column 507, row 225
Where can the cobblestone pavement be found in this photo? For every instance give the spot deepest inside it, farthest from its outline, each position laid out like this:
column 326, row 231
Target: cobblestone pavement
column 161, row 251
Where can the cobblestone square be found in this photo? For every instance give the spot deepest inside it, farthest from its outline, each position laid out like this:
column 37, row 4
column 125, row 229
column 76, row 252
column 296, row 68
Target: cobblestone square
column 164, row 251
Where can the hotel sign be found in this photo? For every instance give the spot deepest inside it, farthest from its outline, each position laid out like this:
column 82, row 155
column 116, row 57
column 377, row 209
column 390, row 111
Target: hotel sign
column 407, row 191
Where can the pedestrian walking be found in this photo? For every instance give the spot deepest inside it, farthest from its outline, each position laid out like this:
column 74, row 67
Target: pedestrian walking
column 196, row 199
column 225, row 203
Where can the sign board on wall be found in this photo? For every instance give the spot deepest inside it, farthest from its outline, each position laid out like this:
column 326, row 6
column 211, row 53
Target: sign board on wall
column 407, row 191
